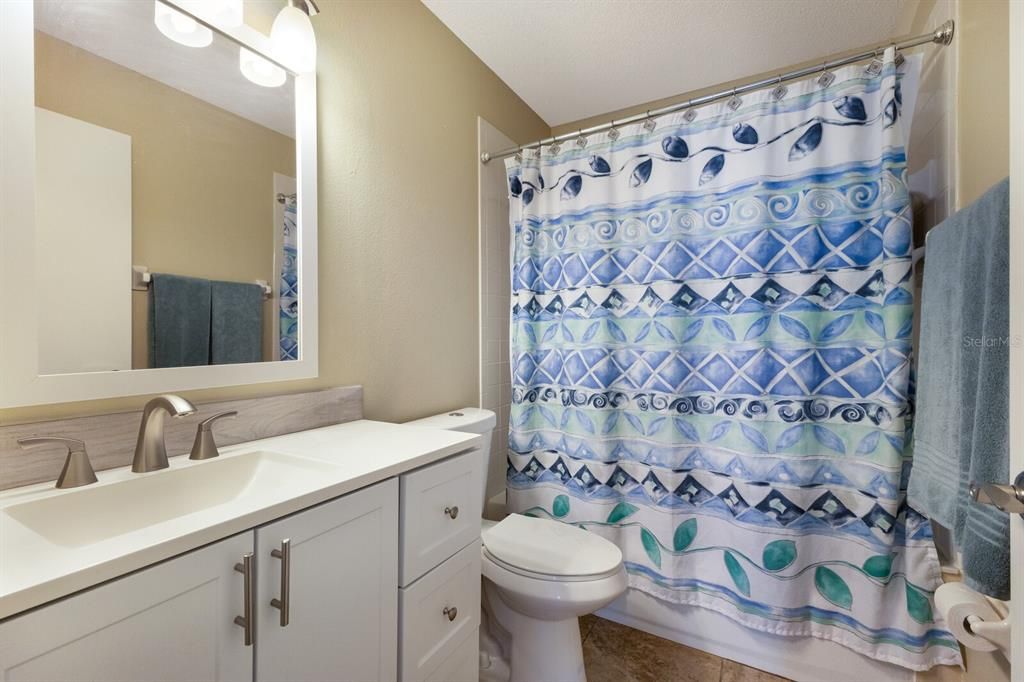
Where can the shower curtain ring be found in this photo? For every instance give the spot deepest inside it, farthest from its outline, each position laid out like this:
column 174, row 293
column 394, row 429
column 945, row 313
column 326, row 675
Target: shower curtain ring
column 581, row 141
column 780, row 90
column 613, row 132
column 876, row 65
column 690, row 112
column 735, row 101
column 827, row 77
column 899, row 59
column 649, row 124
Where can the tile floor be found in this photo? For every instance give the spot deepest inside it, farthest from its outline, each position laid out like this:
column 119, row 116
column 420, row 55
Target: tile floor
column 616, row 653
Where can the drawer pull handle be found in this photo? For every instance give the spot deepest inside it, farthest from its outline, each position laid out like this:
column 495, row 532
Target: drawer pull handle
column 451, row 612
column 284, row 603
column 245, row 622
column 451, row 511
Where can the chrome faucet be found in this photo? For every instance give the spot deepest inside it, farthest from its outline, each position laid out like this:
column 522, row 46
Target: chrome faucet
column 150, row 449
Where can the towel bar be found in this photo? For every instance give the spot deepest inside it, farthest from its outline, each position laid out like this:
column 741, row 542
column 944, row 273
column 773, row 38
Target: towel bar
column 1007, row 498
column 141, row 279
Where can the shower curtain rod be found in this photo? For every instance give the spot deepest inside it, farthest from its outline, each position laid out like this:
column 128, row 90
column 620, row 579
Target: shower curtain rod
column 943, row 35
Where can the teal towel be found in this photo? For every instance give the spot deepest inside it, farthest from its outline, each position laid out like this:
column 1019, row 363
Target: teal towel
column 961, row 425
column 236, row 323
column 179, row 321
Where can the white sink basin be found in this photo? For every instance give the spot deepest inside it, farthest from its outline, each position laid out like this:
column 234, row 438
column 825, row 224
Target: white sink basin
column 93, row 514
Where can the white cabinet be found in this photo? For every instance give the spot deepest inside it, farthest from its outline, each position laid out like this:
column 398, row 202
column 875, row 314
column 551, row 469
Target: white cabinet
column 337, row 577
column 176, row 621
column 441, row 506
column 439, row 611
column 323, row 596
column 464, row 663
column 440, row 570
column 171, row 622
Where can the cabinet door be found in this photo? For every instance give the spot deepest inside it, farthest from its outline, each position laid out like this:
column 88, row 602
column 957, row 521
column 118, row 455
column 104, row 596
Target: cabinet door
column 171, row 622
column 342, row 591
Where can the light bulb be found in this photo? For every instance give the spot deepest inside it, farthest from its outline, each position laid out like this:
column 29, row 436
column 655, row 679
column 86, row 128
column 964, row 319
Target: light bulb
column 259, row 70
column 179, row 27
column 293, row 40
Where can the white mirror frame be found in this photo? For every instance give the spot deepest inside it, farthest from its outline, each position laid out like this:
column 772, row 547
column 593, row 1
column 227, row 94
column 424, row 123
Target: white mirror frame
column 20, row 381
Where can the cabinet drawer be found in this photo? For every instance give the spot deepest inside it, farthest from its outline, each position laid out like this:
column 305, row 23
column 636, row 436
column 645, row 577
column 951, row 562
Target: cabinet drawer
column 429, row 534
column 429, row 635
column 464, row 663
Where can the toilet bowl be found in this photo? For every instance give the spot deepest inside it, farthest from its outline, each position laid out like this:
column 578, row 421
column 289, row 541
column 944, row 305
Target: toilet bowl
column 539, row 577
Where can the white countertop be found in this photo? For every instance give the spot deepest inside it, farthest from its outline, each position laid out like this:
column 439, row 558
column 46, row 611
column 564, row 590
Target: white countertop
column 35, row 569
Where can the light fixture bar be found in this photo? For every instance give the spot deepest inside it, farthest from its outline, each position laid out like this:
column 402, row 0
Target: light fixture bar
column 176, row 5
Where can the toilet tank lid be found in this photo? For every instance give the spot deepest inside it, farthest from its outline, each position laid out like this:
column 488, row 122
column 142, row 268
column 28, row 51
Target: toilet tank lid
column 467, row 419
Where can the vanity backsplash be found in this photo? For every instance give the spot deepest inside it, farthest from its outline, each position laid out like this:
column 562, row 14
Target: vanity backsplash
column 110, row 438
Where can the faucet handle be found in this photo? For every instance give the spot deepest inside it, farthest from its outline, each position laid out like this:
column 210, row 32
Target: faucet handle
column 77, row 469
column 206, row 423
column 204, row 446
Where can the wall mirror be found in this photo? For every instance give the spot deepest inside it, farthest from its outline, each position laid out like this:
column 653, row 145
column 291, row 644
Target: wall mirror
column 160, row 199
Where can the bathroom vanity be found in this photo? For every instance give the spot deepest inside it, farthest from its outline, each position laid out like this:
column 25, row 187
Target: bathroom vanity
column 347, row 552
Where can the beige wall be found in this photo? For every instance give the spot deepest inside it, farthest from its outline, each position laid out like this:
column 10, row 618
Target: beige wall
column 983, row 97
column 202, row 177
column 398, row 101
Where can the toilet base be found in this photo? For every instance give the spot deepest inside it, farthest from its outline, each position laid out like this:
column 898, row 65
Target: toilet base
column 548, row 650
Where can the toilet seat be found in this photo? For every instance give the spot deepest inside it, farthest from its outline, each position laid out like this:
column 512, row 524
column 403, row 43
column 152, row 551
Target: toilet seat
column 549, row 550
column 545, row 576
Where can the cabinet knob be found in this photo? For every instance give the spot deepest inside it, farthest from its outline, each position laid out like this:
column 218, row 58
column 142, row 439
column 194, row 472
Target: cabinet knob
column 451, row 511
column 451, row 612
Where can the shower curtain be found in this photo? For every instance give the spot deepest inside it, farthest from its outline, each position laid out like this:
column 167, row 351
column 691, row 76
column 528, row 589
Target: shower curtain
column 711, row 350
column 287, row 285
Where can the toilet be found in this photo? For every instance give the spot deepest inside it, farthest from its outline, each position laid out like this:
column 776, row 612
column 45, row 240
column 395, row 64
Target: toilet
column 539, row 577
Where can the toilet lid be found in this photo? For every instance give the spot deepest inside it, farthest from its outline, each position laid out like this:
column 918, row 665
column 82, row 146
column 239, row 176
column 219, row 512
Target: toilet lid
column 550, row 547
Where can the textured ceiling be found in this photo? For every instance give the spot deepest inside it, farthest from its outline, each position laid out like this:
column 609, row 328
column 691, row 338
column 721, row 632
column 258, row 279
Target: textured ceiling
column 572, row 59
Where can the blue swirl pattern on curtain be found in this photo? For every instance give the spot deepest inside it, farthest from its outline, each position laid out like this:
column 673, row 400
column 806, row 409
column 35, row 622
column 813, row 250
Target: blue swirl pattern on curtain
column 288, row 286
column 711, row 351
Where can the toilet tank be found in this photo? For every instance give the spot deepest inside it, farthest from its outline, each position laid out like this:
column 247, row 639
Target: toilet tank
column 467, row 420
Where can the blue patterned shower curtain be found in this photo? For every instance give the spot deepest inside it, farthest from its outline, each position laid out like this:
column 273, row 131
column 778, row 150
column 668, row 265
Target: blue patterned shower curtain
column 288, row 287
column 711, row 351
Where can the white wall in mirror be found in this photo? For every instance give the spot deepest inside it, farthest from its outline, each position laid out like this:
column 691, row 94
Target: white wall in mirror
column 84, row 306
column 291, row 111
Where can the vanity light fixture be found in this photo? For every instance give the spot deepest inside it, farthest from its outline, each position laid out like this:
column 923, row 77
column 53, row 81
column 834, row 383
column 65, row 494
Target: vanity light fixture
column 226, row 12
column 180, row 27
column 259, row 70
column 291, row 35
